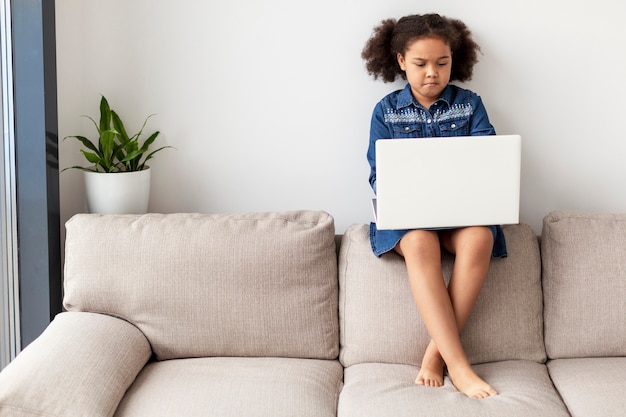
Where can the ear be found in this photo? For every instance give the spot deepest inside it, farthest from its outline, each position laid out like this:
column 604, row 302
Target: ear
column 401, row 61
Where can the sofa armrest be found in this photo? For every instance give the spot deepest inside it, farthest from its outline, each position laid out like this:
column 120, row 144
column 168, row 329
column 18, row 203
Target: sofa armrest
column 81, row 365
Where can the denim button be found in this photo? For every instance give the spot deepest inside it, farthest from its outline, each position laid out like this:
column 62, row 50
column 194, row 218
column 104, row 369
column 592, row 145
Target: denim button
column 429, row 121
column 452, row 125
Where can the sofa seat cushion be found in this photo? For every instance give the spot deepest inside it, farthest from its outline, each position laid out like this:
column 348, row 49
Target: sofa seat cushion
column 375, row 389
column 584, row 275
column 252, row 284
column 224, row 387
column 380, row 322
column 591, row 386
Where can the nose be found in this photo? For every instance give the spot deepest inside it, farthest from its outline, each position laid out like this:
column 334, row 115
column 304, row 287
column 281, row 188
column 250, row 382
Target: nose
column 431, row 71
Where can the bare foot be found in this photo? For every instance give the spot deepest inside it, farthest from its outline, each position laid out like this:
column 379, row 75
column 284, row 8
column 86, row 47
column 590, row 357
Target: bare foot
column 470, row 384
column 431, row 372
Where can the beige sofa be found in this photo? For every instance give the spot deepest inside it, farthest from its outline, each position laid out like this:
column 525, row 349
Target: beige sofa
column 272, row 314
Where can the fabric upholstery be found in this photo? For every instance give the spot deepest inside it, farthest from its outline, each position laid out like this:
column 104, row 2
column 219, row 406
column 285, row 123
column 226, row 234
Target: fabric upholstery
column 377, row 389
column 81, row 365
column 243, row 313
column 380, row 321
column 255, row 284
column 584, row 273
column 591, row 386
column 224, row 387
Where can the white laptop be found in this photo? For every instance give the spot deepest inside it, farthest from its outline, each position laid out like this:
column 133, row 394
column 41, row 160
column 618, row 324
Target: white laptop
column 447, row 181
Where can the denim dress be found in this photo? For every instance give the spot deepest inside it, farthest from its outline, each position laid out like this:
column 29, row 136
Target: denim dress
column 458, row 112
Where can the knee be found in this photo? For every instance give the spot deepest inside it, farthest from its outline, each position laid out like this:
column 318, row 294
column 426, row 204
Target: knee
column 478, row 239
column 481, row 235
column 418, row 242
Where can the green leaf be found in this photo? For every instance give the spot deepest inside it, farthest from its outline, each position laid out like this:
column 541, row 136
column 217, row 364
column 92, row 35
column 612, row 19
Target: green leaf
column 119, row 126
column 150, row 155
column 91, row 157
column 105, row 115
column 149, row 141
column 86, row 142
column 138, row 134
column 94, row 123
column 132, row 155
column 107, row 139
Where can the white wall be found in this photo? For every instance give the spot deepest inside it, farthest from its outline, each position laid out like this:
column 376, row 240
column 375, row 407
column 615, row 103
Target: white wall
column 268, row 102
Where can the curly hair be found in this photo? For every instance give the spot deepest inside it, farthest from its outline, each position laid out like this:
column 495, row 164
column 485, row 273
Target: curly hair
column 392, row 37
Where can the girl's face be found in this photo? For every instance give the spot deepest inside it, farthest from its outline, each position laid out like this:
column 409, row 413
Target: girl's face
column 427, row 63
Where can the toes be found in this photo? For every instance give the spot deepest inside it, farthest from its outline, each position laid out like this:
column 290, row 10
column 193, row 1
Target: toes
column 428, row 382
column 484, row 393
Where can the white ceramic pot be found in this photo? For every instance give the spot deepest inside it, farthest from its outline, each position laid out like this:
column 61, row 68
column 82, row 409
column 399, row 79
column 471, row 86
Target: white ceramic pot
column 118, row 192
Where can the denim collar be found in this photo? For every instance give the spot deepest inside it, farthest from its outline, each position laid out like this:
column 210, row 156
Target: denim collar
column 405, row 98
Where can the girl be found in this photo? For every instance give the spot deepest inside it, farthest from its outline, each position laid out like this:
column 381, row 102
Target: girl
column 429, row 51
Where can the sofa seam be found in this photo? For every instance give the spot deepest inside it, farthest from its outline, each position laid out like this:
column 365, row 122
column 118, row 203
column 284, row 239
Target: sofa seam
column 347, row 243
column 29, row 410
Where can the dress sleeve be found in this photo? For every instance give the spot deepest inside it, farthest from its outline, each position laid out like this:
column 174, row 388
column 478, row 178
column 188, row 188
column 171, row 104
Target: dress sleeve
column 480, row 125
column 378, row 130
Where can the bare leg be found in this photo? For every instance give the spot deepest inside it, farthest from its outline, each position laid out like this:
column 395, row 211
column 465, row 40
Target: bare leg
column 446, row 310
column 422, row 253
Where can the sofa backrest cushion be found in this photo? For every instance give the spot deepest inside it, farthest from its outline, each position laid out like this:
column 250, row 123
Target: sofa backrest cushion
column 584, row 279
column 380, row 322
column 255, row 284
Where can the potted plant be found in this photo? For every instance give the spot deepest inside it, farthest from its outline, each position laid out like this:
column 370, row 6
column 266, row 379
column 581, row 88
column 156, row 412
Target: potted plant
column 119, row 179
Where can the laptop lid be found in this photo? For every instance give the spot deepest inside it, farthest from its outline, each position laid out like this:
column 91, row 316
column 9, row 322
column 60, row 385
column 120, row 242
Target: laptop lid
column 447, row 182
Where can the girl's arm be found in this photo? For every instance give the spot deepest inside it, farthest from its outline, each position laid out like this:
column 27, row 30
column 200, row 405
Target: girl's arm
column 480, row 125
column 378, row 130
